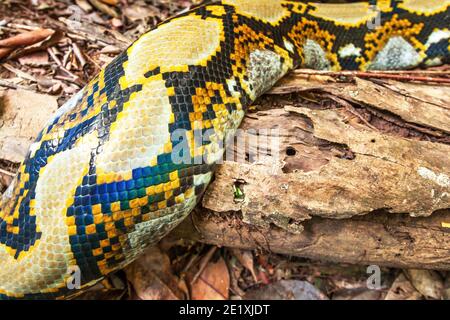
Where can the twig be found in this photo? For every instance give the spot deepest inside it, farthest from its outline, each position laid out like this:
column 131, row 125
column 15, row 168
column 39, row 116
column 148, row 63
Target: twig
column 7, row 84
column 66, row 56
column 78, row 54
column 204, row 263
column 68, row 79
column 53, row 56
column 11, row 174
column 26, row 38
column 70, row 74
column 21, row 26
column 405, row 76
column 93, row 62
column 190, row 263
column 18, row 72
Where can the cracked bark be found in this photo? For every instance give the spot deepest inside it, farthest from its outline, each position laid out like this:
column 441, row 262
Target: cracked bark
column 347, row 170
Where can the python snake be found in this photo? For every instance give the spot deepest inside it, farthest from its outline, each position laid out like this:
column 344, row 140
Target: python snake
column 100, row 182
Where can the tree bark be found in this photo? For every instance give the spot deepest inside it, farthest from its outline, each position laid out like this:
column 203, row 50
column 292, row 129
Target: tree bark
column 340, row 169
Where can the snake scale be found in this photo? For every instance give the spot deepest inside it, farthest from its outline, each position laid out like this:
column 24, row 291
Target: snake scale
column 104, row 179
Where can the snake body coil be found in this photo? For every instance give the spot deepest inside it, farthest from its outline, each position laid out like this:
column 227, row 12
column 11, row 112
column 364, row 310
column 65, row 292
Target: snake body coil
column 119, row 166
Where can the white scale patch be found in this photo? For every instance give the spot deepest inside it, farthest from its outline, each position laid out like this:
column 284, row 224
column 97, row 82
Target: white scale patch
column 264, row 69
column 315, row 56
column 349, row 51
column 146, row 232
column 435, row 37
column 289, row 46
column 397, row 54
column 203, row 178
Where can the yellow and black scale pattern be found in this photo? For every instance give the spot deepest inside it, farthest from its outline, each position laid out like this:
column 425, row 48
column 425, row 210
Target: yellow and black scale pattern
column 100, row 182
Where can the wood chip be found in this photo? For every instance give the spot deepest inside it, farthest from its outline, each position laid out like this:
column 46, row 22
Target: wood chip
column 27, row 38
column 84, row 5
column 24, row 113
column 99, row 5
column 35, row 59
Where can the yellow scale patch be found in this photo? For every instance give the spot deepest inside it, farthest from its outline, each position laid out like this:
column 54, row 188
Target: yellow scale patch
column 138, row 135
column 221, row 123
column 271, row 11
column 425, row 7
column 10, row 218
column 185, row 41
column 350, row 14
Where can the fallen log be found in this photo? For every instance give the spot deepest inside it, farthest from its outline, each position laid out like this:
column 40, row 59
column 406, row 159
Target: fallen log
column 380, row 238
column 344, row 169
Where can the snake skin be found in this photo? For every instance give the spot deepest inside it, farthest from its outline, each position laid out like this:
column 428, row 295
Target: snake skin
column 104, row 179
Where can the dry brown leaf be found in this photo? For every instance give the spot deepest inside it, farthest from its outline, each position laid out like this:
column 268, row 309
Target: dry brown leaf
column 262, row 276
column 402, row 289
column 137, row 12
column 357, row 294
column 152, row 278
column 213, row 283
column 235, row 270
column 429, row 283
column 54, row 38
column 447, row 287
column 22, row 116
column 286, row 290
column 245, row 257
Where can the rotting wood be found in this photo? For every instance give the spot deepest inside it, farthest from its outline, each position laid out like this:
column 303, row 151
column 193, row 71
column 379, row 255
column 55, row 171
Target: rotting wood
column 384, row 239
column 358, row 161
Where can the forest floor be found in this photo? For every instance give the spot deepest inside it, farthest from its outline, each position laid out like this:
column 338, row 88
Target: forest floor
column 63, row 44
